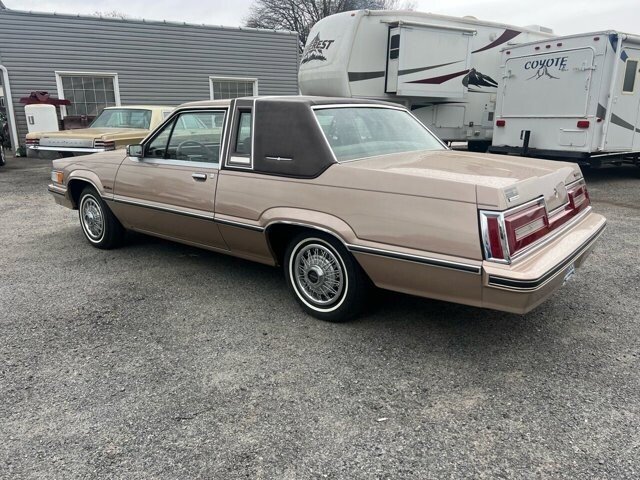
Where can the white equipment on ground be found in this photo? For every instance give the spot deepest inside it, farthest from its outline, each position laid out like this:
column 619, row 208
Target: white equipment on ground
column 575, row 98
column 445, row 69
column 41, row 118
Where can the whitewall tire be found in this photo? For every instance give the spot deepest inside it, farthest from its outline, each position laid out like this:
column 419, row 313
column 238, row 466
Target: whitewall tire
column 324, row 277
column 100, row 227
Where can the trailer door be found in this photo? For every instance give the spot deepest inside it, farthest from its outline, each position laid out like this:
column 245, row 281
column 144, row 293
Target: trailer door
column 622, row 132
column 393, row 60
column 427, row 60
column 548, row 85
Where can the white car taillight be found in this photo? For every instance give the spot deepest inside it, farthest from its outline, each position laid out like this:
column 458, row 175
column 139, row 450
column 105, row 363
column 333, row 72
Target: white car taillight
column 507, row 234
column 104, row 144
column 32, row 142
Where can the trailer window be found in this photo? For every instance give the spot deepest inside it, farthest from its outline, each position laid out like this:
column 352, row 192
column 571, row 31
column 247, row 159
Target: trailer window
column 631, row 69
column 394, row 47
column 359, row 132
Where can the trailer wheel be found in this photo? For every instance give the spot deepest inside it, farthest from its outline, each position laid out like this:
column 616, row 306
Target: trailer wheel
column 478, row 146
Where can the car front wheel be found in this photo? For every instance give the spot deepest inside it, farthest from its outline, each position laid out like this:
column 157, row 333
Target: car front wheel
column 326, row 280
column 100, row 227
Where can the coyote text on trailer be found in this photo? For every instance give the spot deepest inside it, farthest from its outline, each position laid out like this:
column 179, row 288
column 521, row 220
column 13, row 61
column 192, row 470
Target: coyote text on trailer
column 573, row 98
column 444, row 68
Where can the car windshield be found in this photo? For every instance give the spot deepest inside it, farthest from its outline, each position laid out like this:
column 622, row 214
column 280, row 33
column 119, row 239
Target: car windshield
column 359, row 132
column 123, row 118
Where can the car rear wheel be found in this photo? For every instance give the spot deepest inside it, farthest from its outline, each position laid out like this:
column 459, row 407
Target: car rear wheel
column 326, row 280
column 100, row 227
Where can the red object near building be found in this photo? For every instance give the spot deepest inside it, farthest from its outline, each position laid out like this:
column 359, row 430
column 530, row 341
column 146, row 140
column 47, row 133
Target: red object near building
column 43, row 97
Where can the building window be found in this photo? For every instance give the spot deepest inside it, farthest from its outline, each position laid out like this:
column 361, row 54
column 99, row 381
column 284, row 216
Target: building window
column 88, row 92
column 232, row 87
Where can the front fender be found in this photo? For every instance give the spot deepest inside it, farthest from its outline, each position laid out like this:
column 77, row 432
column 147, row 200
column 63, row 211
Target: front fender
column 89, row 177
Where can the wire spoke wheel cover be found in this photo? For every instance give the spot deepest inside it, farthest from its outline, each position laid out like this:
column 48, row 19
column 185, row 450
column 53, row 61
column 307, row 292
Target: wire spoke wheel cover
column 318, row 274
column 92, row 218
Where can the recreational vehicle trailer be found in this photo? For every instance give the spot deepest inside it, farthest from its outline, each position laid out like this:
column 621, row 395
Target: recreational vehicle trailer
column 572, row 98
column 445, row 69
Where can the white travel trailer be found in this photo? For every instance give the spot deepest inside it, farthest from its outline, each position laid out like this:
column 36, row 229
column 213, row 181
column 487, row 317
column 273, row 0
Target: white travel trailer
column 575, row 98
column 443, row 68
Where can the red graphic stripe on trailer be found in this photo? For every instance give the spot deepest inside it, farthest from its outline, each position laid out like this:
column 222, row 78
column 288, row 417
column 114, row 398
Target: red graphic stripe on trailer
column 441, row 78
column 505, row 37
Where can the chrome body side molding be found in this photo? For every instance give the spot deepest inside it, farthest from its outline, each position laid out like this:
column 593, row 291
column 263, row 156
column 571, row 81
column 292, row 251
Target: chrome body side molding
column 433, row 262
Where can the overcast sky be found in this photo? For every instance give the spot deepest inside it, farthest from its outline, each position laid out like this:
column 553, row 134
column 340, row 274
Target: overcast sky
column 563, row 16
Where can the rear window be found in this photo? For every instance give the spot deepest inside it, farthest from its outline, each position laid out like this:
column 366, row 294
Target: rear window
column 123, row 118
column 359, row 132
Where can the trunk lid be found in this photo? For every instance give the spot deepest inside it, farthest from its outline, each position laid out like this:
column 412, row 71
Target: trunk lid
column 84, row 137
column 499, row 181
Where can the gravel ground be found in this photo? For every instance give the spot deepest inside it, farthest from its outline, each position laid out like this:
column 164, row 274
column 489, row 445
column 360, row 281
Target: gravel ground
column 159, row 360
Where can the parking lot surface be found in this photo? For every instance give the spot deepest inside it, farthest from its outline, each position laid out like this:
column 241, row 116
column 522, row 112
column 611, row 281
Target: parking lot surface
column 160, row 360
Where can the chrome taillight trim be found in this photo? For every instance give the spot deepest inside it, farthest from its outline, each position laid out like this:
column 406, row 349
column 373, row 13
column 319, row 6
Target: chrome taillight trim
column 569, row 186
column 485, row 215
column 499, row 216
column 535, row 245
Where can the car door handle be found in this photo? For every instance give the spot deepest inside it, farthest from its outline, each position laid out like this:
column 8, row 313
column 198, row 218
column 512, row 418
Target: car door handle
column 199, row 177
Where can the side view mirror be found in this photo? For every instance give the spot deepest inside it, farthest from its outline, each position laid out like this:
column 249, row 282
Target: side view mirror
column 134, row 151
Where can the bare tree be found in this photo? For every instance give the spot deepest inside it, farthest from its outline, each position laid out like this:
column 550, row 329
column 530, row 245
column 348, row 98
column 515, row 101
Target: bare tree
column 301, row 15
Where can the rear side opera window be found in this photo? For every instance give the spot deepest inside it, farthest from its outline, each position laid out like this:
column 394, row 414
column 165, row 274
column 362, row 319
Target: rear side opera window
column 241, row 140
column 630, row 72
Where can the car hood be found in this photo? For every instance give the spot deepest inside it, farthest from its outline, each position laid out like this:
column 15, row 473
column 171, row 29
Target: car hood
column 492, row 181
column 88, row 162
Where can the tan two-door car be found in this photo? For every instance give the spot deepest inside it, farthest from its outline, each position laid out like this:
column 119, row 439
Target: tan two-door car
column 113, row 128
column 342, row 194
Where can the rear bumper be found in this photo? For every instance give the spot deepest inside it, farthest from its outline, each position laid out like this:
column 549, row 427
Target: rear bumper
column 516, row 288
column 66, row 149
column 522, row 286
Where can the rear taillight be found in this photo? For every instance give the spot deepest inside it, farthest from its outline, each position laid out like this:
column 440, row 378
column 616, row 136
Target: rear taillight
column 32, row 142
column 579, row 197
column 583, row 124
column 526, row 226
column 104, row 144
column 500, row 123
column 507, row 234
column 495, row 237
